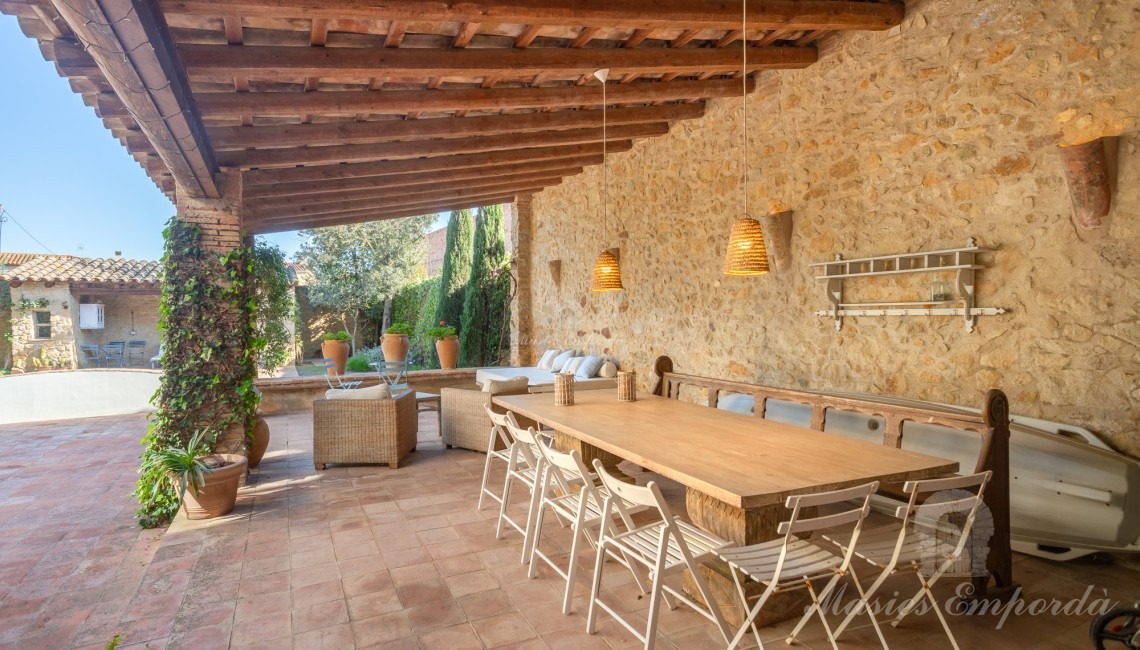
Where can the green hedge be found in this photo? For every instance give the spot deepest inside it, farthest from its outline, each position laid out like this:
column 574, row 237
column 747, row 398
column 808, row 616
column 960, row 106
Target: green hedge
column 416, row 305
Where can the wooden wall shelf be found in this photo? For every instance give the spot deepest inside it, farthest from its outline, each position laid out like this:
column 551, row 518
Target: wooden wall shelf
column 963, row 261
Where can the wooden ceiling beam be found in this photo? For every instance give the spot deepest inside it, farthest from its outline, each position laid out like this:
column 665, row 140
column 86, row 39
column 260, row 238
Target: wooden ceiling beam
column 271, row 226
column 560, row 167
column 404, row 101
column 286, row 135
column 673, row 14
column 425, row 165
column 138, row 59
column 390, row 189
column 282, row 62
column 402, row 198
column 350, row 153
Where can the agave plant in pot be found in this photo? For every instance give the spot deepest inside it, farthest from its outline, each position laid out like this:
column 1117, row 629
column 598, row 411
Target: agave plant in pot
column 206, row 483
column 446, row 344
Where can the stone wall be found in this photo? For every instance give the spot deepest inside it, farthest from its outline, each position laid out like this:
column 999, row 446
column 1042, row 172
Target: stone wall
column 58, row 352
column 915, row 139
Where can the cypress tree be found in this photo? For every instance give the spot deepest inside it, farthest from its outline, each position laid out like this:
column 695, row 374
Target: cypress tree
column 456, row 269
column 484, row 306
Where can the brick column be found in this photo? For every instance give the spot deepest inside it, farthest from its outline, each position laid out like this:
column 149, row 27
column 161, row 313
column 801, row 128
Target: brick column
column 523, row 267
column 221, row 232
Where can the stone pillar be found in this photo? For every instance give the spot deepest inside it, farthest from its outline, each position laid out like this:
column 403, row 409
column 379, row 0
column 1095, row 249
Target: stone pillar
column 522, row 266
column 220, row 224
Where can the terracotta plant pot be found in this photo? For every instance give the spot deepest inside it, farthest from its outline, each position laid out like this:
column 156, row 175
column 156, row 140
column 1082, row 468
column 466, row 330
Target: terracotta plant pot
column 337, row 351
column 395, row 347
column 448, row 351
column 219, row 494
column 260, row 441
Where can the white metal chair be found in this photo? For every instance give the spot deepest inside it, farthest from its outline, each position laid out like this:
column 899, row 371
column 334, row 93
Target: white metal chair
column 568, row 490
column 524, row 465
column 330, row 374
column 791, row 563
column 393, row 373
column 664, row 546
column 925, row 540
column 498, row 448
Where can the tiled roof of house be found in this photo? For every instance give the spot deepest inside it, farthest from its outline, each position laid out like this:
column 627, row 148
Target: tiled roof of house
column 299, row 274
column 16, row 259
column 67, row 268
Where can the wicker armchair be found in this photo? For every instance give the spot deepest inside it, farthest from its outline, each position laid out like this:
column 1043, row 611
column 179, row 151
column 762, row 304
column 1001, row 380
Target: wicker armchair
column 364, row 431
column 465, row 423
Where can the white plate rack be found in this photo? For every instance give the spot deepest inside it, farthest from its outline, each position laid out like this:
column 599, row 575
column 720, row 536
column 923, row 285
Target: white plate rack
column 964, row 261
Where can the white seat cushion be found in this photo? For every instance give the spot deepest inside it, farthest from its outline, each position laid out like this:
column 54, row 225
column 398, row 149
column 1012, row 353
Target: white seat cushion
column 379, row 391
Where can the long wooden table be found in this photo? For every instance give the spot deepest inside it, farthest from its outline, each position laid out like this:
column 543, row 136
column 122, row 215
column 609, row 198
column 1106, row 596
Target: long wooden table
column 737, row 469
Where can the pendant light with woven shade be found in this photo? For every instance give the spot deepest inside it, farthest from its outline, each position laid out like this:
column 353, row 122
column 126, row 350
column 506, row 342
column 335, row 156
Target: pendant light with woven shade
column 746, row 253
column 607, row 271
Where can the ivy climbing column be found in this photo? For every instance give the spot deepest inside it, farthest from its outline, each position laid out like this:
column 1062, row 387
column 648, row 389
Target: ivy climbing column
column 207, row 323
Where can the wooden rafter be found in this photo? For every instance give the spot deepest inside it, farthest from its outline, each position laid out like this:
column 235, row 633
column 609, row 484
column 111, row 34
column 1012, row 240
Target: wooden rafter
column 336, row 154
column 559, row 167
column 402, row 101
column 464, row 161
column 684, row 14
column 277, row 225
column 293, row 135
column 270, row 63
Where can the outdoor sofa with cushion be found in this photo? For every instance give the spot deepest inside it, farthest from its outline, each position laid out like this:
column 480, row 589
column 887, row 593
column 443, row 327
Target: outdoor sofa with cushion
column 465, row 421
column 590, row 371
column 364, row 426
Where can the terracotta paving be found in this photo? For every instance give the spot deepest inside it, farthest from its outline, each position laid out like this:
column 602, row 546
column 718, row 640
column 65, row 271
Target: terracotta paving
column 356, row 557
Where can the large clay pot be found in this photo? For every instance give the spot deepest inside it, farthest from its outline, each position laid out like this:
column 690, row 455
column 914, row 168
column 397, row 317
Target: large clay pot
column 260, row 441
column 448, row 351
column 395, row 347
column 337, row 351
column 219, row 494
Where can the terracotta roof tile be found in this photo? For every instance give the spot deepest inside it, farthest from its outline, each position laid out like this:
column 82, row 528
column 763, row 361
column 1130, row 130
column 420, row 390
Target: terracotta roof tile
column 16, row 259
column 67, row 268
column 299, row 274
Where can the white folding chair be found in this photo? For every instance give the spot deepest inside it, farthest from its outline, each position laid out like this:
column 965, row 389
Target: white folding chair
column 664, row 546
column 569, row 491
column 498, row 448
column 925, row 540
column 791, row 563
column 330, row 374
column 393, row 373
column 524, row 465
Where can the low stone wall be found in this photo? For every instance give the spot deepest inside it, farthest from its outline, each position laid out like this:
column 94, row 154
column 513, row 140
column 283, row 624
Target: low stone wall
column 70, row 394
column 296, row 394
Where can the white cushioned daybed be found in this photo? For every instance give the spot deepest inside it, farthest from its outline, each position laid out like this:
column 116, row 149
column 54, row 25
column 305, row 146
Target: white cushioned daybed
column 588, row 369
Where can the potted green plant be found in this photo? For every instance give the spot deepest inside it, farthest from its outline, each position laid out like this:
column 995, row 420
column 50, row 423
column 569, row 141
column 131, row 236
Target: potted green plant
column 259, row 435
column 336, row 347
column 446, row 344
column 206, row 483
column 395, row 342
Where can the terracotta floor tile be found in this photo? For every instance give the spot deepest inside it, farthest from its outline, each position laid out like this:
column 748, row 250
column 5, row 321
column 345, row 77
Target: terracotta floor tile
column 453, row 637
column 469, row 583
column 320, row 615
column 374, row 604
column 500, row 630
column 264, row 626
column 366, row 583
column 485, row 604
column 380, row 629
column 334, row 637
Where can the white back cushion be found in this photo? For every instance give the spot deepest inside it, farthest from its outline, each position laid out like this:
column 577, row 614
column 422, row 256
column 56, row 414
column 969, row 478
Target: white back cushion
column 608, row 370
column 571, row 366
column 547, row 359
column 559, row 363
column 589, row 367
column 495, row 386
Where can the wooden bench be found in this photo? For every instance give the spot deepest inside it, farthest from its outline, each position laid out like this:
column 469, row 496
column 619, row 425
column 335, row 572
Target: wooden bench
column 991, row 425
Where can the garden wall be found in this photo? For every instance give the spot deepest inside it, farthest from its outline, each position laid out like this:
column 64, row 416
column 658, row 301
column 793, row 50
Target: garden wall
column 914, row 139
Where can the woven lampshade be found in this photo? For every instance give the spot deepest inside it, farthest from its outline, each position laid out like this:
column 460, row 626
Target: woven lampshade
column 607, row 273
column 746, row 253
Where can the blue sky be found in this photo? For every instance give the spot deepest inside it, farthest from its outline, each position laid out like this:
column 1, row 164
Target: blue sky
column 62, row 176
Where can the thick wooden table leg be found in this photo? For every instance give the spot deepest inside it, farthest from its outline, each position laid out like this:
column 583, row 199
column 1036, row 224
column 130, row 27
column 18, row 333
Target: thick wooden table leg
column 743, row 527
column 565, row 443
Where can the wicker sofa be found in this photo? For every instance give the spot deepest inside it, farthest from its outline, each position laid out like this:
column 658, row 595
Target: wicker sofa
column 465, row 422
column 366, row 431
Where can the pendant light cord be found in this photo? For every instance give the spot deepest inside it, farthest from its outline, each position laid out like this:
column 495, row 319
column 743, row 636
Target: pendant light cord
column 744, row 95
column 605, row 170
